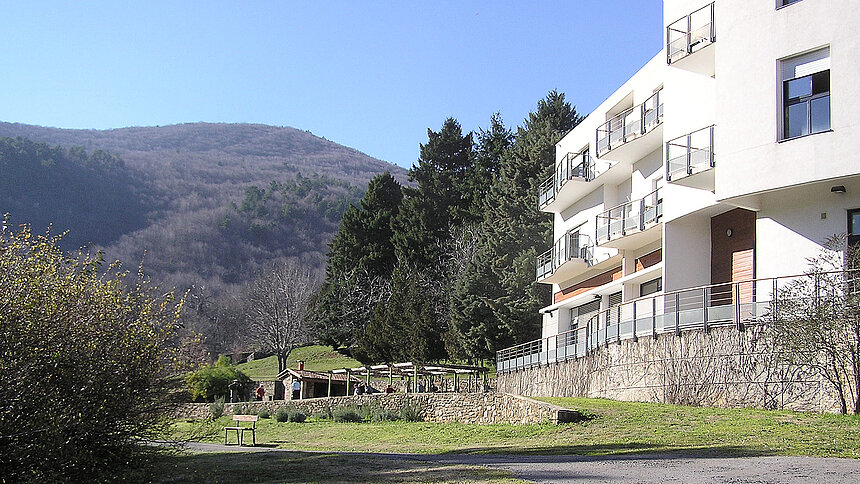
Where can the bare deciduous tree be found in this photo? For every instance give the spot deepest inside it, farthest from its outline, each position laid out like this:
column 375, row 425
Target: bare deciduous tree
column 277, row 308
column 818, row 320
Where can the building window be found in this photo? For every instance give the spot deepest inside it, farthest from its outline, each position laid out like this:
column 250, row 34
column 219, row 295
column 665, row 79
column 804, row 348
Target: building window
column 783, row 3
column 806, row 94
column 854, row 227
column 651, row 287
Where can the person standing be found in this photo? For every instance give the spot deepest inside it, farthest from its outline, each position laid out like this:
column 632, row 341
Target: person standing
column 297, row 389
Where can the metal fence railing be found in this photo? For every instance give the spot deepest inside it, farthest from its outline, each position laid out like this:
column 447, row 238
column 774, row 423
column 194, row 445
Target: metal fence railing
column 735, row 304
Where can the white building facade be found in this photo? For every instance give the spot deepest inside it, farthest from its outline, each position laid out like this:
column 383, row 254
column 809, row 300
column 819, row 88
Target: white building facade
column 707, row 179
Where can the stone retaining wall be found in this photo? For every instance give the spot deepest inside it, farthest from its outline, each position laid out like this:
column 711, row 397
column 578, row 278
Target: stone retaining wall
column 477, row 408
column 723, row 367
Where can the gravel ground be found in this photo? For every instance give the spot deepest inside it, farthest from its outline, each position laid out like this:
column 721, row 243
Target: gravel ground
column 651, row 468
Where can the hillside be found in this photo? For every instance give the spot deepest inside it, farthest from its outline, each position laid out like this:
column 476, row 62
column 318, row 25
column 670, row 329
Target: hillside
column 208, row 204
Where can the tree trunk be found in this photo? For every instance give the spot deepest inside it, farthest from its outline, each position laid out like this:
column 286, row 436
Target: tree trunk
column 282, row 362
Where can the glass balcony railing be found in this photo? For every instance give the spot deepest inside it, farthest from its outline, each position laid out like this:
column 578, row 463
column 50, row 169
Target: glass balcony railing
column 572, row 245
column 690, row 153
column 630, row 124
column 689, row 34
column 572, row 166
column 630, row 217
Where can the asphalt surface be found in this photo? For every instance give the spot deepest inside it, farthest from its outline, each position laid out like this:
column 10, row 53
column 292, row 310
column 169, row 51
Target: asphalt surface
column 650, row 468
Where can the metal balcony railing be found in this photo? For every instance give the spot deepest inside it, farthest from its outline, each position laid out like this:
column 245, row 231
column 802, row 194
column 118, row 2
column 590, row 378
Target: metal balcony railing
column 690, row 33
column 571, row 245
column 630, row 217
column 546, row 191
column 735, row 304
column 572, row 166
column 630, row 124
column 689, row 153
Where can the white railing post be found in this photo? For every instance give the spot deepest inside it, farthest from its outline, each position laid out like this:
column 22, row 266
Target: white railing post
column 633, row 324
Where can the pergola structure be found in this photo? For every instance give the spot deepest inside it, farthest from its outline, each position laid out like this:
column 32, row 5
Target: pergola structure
column 413, row 373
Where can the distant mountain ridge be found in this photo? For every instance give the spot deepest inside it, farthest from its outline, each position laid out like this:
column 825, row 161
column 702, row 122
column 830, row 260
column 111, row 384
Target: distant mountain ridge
column 212, row 201
column 218, row 139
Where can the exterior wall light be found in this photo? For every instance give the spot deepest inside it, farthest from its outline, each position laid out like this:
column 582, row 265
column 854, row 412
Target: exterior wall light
column 729, row 232
column 837, row 189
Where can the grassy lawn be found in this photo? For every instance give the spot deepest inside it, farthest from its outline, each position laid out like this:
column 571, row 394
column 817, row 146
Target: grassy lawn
column 616, row 428
column 323, row 468
column 316, row 358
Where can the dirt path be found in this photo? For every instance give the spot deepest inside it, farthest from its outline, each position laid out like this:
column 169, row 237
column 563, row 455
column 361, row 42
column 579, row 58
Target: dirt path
column 651, row 468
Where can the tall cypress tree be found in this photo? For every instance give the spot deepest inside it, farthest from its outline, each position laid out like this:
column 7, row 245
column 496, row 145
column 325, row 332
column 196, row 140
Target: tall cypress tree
column 360, row 255
column 442, row 198
column 496, row 301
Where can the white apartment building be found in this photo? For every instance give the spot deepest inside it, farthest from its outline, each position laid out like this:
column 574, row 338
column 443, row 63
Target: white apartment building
column 730, row 156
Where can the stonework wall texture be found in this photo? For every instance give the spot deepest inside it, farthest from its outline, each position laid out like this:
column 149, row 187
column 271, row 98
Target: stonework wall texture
column 478, row 408
column 723, row 367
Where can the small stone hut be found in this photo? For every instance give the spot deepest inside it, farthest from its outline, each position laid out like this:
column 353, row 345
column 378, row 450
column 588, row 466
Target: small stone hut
column 314, row 384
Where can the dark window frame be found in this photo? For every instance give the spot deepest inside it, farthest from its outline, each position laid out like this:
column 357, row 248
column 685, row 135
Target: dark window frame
column 659, row 286
column 784, row 3
column 807, row 100
column 852, row 238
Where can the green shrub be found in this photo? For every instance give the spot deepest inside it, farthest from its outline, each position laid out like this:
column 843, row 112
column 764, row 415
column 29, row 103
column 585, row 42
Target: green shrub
column 213, row 381
column 297, row 416
column 411, row 413
column 101, row 345
column 216, row 408
column 322, row 415
column 282, row 415
column 346, row 414
column 264, row 413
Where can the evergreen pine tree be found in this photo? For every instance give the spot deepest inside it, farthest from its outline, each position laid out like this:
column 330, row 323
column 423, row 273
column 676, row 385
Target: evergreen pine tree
column 441, row 200
column 496, row 301
column 361, row 257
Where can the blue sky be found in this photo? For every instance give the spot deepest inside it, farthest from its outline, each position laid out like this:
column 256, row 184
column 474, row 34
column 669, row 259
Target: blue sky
column 372, row 75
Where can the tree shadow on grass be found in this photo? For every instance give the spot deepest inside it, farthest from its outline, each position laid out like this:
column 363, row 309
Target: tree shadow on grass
column 288, row 466
column 643, row 450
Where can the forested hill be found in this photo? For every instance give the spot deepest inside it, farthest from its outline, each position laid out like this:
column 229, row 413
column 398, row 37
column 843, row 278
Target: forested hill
column 208, row 203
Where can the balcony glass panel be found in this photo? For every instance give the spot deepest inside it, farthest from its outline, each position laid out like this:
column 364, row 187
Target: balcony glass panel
column 546, row 191
column 630, row 124
column 570, row 246
column 690, row 153
column 689, row 34
column 572, row 166
column 630, row 217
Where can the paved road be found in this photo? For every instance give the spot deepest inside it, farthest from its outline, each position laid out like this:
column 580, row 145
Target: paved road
column 650, row 468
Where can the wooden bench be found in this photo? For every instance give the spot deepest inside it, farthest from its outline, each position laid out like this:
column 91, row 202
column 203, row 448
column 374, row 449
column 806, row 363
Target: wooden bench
column 241, row 429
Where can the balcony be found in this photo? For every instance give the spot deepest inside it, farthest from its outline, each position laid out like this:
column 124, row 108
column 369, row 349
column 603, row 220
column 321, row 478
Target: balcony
column 690, row 159
column 571, row 181
column 689, row 35
column 632, row 224
column 634, row 133
column 569, row 256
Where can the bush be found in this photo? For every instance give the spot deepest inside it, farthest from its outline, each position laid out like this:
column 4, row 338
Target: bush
column 264, row 413
column 216, row 408
column 411, row 413
column 213, row 381
column 282, row 415
column 322, row 415
column 296, row 416
column 346, row 414
column 86, row 358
